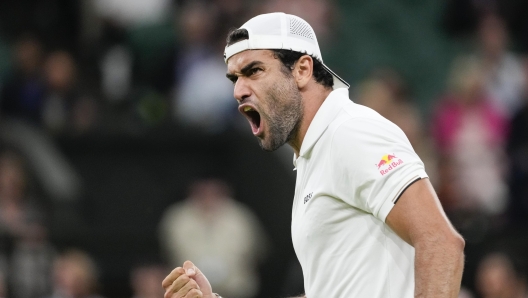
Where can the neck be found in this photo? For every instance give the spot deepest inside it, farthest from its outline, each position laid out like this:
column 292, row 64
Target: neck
column 313, row 97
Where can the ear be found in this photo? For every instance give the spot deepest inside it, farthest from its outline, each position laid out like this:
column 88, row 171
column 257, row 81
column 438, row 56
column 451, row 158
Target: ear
column 303, row 70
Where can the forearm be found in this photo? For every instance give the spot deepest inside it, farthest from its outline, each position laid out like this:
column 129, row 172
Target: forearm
column 438, row 268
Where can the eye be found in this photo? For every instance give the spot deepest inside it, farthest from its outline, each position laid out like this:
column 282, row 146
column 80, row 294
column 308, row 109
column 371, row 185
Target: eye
column 254, row 71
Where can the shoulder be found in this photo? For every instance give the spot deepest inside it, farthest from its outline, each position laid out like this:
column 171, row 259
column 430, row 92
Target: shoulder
column 362, row 140
column 361, row 127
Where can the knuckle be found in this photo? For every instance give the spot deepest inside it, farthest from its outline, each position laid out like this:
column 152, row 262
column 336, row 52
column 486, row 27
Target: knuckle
column 184, row 278
column 194, row 293
column 170, row 291
column 180, row 281
column 166, row 282
column 192, row 283
column 172, row 276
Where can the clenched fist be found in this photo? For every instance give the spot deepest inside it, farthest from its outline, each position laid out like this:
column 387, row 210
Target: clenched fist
column 187, row 282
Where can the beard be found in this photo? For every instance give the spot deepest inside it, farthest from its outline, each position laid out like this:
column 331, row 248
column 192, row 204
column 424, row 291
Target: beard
column 284, row 115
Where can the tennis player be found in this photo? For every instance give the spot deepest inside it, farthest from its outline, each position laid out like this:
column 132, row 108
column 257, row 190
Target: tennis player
column 366, row 222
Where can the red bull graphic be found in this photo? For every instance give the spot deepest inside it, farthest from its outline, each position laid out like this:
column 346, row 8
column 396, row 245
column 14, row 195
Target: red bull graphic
column 388, row 163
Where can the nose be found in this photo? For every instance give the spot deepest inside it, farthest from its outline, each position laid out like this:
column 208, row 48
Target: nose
column 242, row 90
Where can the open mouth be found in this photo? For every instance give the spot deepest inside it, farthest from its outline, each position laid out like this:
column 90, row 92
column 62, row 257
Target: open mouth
column 253, row 117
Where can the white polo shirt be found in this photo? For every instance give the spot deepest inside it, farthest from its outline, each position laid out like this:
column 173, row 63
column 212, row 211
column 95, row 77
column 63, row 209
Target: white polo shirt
column 353, row 165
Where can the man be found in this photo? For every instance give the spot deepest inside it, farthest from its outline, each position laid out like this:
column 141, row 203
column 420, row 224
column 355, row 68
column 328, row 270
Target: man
column 365, row 221
column 197, row 228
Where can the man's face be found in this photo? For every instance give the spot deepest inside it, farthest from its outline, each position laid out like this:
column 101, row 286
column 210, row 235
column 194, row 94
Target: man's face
column 267, row 95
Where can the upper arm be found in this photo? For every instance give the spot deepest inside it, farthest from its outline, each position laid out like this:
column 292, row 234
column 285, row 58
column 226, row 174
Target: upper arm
column 372, row 164
column 418, row 216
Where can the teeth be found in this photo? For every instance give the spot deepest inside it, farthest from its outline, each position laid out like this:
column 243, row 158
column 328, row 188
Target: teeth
column 247, row 109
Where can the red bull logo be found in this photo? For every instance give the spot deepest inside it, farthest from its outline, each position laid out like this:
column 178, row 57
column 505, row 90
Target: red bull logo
column 388, row 163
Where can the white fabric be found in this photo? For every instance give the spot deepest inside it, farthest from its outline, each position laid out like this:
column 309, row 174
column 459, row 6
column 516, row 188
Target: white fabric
column 342, row 199
column 270, row 31
column 281, row 31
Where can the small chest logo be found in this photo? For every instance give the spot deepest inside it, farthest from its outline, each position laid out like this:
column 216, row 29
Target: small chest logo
column 388, row 163
column 308, row 197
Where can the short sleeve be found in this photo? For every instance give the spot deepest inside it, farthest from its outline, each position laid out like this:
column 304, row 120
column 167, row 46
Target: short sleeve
column 374, row 163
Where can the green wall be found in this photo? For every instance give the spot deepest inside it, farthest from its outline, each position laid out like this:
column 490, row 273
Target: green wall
column 403, row 34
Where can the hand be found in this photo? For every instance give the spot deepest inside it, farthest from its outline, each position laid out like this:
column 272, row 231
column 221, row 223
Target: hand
column 187, row 282
column 179, row 285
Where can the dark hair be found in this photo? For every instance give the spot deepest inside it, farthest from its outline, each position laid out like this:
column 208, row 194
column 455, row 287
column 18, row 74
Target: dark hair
column 288, row 58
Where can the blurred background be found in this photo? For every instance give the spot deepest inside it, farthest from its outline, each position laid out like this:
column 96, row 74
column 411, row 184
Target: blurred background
column 122, row 152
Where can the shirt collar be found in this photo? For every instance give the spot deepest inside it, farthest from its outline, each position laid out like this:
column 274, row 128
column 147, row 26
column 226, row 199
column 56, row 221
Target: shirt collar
column 324, row 116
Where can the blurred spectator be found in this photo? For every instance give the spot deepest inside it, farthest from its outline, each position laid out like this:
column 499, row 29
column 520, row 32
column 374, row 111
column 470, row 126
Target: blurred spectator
column 31, row 264
column 23, row 235
column 129, row 46
column 502, row 69
column 201, row 99
column 44, row 93
column 65, row 109
column 223, row 238
column 17, row 211
column 497, row 277
column 386, row 92
column 74, row 276
column 146, row 279
column 23, row 95
column 60, row 74
column 470, row 133
column 134, row 44
column 518, row 155
column 195, row 24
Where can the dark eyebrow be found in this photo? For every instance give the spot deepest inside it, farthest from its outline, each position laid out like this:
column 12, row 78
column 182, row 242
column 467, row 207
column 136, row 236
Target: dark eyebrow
column 244, row 70
column 231, row 77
